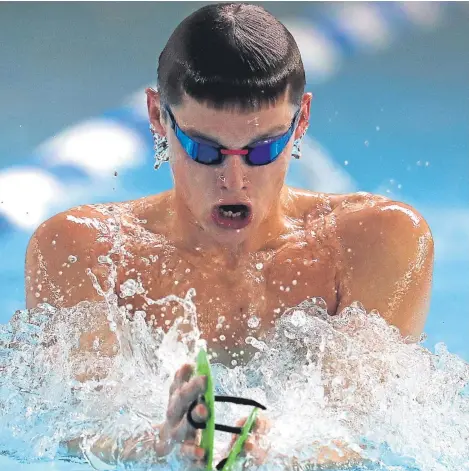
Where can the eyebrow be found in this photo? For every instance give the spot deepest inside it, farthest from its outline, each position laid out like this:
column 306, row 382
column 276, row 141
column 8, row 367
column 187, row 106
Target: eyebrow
column 274, row 132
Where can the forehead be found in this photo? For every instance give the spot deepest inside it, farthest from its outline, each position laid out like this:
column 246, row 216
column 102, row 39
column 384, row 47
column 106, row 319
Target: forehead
column 232, row 127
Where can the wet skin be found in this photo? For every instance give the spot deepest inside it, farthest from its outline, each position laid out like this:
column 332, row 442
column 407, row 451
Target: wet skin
column 339, row 248
column 297, row 245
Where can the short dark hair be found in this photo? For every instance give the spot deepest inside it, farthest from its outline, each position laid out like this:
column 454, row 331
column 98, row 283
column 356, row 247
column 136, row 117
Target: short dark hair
column 231, row 56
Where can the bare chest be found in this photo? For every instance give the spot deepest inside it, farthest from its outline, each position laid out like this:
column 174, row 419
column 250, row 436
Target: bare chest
column 233, row 305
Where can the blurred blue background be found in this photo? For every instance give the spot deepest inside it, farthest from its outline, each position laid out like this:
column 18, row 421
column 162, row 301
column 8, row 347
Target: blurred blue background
column 390, row 115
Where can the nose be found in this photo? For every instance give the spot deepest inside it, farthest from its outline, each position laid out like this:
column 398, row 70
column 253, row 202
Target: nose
column 233, row 173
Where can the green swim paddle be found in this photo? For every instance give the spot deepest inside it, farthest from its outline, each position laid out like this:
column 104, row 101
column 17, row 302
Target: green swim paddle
column 208, row 434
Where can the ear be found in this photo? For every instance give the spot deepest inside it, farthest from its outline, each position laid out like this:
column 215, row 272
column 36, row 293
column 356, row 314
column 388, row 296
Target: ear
column 154, row 111
column 305, row 112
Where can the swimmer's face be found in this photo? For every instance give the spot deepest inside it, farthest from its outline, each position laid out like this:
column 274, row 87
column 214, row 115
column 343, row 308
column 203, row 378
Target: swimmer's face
column 210, row 193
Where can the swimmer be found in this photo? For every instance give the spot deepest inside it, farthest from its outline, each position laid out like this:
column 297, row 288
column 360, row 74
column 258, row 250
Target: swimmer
column 229, row 113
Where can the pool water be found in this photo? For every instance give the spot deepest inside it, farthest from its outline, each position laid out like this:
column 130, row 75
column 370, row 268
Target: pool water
column 407, row 405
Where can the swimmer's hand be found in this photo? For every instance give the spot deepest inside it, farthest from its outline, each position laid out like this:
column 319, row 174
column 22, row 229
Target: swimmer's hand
column 175, row 430
column 256, row 447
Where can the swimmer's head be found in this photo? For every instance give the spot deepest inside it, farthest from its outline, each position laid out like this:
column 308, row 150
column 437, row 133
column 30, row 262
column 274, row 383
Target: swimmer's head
column 230, row 74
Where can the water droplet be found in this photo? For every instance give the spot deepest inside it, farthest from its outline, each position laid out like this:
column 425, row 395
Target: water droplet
column 131, row 288
column 367, row 143
column 54, row 242
column 253, row 322
column 72, row 258
column 345, row 162
column 294, row 282
column 259, row 266
column 427, row 163
column 289, row 335
column 377, row 128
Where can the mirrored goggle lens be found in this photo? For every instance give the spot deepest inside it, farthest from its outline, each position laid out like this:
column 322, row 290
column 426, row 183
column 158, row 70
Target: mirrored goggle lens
column 260, row 155
column 269, row 151
column 207, row 154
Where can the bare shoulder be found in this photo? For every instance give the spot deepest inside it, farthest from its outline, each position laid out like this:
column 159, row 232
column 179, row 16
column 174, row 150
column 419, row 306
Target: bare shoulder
column 60, row 253
column 364, row 218
column 359, row 219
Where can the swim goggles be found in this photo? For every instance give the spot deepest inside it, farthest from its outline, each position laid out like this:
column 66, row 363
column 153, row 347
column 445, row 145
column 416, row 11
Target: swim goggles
column 209, row 427
column 206, row 152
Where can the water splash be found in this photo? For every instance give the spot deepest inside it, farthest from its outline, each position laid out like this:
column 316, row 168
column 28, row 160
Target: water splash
column 323, row 378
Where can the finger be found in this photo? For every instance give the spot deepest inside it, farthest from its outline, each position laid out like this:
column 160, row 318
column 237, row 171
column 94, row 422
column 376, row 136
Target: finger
column 185, row 430
column 261, row 425
column 192, row 452
column 182, row 375
column 182, row 399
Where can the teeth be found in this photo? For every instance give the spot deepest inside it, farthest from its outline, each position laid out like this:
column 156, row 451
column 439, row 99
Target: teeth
column 230, row 214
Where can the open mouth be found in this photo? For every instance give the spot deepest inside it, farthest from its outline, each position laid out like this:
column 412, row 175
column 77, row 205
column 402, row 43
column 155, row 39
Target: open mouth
column 233, row 216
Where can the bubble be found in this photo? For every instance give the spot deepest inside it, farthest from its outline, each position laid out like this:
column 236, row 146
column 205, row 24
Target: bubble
column 222, row 338
column 367, row 143
column 345, row 162
column 72, row 258
column 377, row 128
column 104, row 259
column 130, row 287
column 294, row 282
column 253, row 322
column 259, row 266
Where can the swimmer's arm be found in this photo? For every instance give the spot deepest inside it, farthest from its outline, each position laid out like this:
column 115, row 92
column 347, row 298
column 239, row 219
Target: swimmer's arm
column 59, row 259
column 387, row 264
column 327, row 457
column 107, row 450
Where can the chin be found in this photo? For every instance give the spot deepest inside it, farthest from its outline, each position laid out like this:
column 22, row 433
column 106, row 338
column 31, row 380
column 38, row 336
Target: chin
column 229, row 237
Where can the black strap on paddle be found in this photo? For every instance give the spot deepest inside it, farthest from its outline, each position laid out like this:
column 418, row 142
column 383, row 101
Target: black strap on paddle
column 220, row 427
